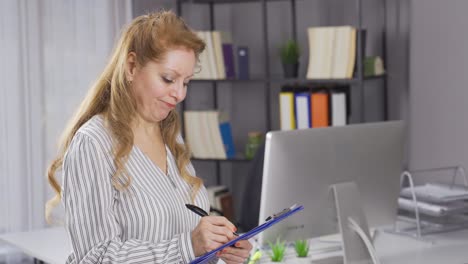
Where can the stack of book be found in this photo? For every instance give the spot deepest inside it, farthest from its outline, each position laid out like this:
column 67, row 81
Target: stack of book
column 299, row 110
column 332, row 52
column 221, row 201
column 209, row 135
column 217, row 60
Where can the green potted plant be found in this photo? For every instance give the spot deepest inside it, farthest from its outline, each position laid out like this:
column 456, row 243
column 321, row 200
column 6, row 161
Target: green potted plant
column 277, row 250
column 302, row 250
column 290, row 53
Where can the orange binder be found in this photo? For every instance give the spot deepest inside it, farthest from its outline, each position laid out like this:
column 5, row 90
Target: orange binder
column 319, row 109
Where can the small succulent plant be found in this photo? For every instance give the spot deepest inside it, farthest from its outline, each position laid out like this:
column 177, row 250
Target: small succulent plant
column 277, row 250
column 302, row 248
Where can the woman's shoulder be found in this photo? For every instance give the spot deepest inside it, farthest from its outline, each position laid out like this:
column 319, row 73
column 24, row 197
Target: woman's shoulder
column 95, row 130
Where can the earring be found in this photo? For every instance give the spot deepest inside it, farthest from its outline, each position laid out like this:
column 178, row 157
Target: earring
column 129, row 82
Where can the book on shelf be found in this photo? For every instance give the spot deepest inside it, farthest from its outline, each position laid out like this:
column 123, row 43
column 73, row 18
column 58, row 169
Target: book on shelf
column 344, row 52
column 208, row 38
column 213, row 133
column 332, row 52
column 228, row 54
column 204, row 71
column 320, row 52
column 221, row 201
column 287, row 115
column 193, row 134
column 214, row 192
column 226, row 135
column 216, row 61
column 218, row 52
column 209, row 135
column 226, row 203
column 243, row 62
column 373, row 66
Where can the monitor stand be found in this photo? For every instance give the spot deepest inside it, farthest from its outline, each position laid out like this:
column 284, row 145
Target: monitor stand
column 356, row 240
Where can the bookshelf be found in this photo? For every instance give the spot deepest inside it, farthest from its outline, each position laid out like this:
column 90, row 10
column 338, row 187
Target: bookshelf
column 355, row 84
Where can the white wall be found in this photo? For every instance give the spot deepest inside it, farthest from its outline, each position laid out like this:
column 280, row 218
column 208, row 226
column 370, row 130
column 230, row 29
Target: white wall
column 51, row 52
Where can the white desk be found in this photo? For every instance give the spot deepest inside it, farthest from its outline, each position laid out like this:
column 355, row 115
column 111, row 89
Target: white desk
column 50, row 245
column 447, row 248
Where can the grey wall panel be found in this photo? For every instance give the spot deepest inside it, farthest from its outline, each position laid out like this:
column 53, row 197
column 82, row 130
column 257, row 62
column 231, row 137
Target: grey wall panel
column 438, row 80
column 397, row 62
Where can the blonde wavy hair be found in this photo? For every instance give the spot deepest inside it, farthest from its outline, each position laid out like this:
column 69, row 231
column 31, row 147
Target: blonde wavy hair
column 149, row 37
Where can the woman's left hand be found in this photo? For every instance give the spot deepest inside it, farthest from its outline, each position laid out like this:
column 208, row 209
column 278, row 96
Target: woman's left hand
column 237, row 254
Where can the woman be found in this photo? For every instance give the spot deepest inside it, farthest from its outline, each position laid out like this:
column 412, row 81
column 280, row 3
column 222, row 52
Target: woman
column 126, row 171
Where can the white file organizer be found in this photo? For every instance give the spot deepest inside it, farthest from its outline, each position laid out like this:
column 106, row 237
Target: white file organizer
column 445, row 218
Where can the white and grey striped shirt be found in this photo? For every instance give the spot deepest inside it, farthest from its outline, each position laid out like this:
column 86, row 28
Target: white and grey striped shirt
column 147, row 223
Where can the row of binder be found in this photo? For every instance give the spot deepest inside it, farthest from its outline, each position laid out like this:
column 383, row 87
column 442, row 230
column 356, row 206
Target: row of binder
column 300, row 110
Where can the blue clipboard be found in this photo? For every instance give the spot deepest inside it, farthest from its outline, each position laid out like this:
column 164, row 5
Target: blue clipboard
column 270, row 221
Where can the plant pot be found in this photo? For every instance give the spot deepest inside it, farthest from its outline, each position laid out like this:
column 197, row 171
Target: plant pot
column 291, row 70
column 298, row 260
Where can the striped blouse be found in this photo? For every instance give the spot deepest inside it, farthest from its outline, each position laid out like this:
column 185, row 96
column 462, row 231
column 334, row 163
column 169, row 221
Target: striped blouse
column 147, row 223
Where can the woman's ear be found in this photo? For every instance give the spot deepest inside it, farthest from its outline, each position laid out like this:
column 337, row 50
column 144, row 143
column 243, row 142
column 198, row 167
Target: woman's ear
column 131, row 65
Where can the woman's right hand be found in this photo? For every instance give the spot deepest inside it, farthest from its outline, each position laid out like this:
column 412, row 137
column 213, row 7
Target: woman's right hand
column 210, row 233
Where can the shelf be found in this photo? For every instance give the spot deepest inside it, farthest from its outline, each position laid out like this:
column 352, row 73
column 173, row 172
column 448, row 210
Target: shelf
column 227, row 80
column 316, row 81
column 376, row 77
column 235, row 159
column 296, row 80
column 225, row 1
column 266, row 81
column 327, row 81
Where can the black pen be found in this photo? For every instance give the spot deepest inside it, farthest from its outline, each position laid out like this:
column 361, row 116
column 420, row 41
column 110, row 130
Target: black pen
column 196, row 210
column 199, row 211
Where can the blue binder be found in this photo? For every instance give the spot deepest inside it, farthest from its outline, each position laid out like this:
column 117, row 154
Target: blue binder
column 278, row 217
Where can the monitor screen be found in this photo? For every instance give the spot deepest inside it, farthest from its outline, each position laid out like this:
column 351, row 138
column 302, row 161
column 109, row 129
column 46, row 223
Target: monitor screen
column 300, row 166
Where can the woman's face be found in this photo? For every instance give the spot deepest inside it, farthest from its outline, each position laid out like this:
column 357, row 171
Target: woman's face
column 159, row 87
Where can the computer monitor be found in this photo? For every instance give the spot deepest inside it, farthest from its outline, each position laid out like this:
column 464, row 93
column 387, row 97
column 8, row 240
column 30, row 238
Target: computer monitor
column 301, row 165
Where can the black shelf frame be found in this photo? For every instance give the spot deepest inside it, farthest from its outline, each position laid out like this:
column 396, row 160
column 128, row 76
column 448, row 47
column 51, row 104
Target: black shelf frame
column 225, row 1
column 356, row 83
column 298, row 80
column 235, row 159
